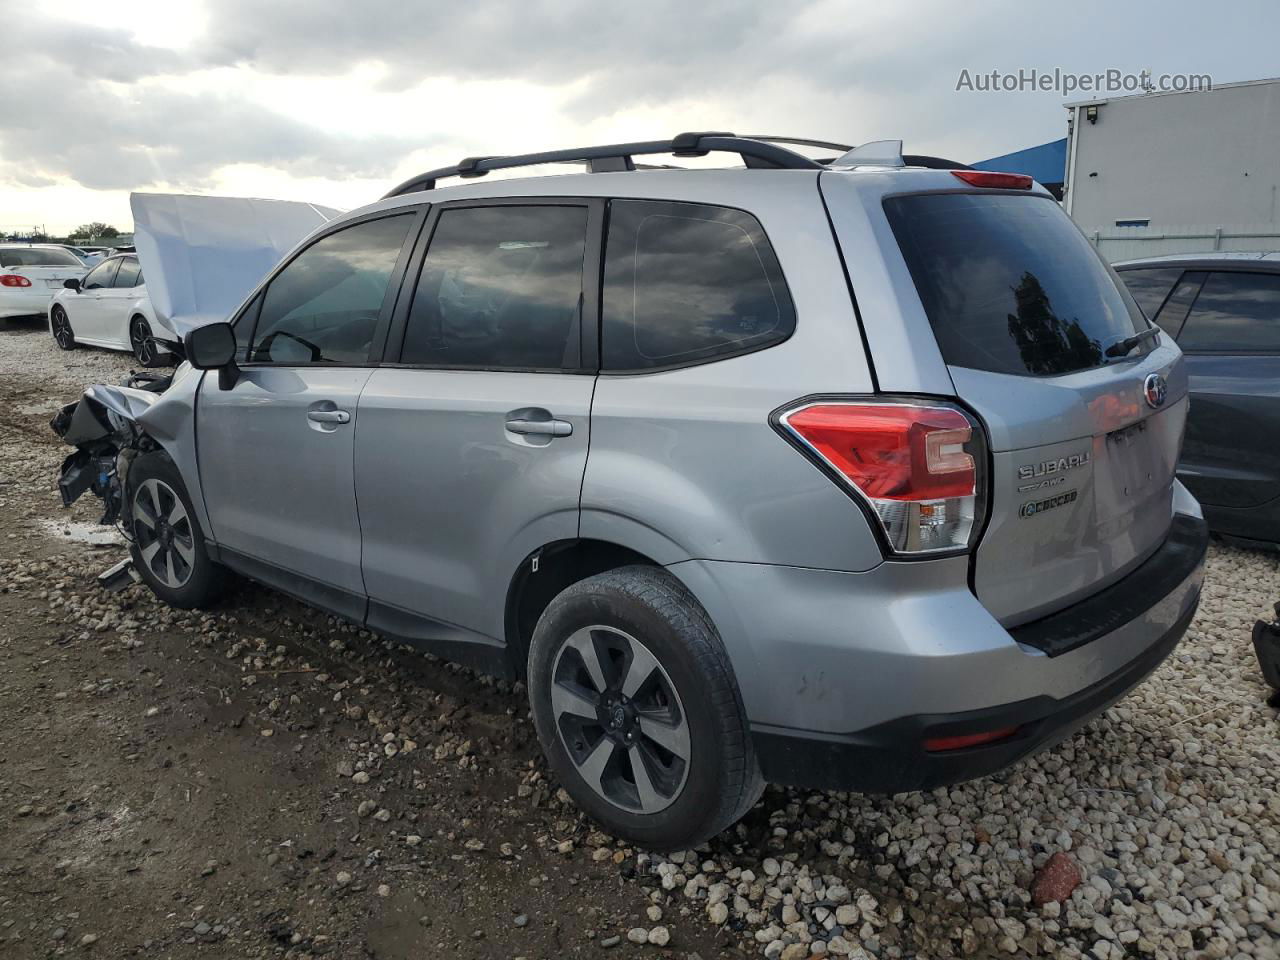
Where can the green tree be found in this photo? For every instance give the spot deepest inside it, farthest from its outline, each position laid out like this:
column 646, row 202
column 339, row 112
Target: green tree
column 95, row 230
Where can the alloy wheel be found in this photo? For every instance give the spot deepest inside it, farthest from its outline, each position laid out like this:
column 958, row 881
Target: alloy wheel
column 62, row 334
column 162, row 529
column 620, row 719
column 140, row 340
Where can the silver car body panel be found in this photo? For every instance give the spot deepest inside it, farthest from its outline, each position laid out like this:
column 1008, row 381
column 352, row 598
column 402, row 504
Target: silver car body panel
column 422, row 502
column 452, row 502
column 278, row 485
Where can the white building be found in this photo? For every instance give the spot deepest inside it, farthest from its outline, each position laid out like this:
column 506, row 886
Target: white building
column 1177, row 172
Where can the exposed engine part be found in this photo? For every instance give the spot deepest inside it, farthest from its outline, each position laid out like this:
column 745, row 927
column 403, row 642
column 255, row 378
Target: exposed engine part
column 106, row 442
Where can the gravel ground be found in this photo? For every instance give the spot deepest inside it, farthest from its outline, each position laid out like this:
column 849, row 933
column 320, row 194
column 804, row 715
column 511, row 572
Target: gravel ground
column 265, row 780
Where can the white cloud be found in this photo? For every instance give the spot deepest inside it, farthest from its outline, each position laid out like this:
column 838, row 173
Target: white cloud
column 335, row 101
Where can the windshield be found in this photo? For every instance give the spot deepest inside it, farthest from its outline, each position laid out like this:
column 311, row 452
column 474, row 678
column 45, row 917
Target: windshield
column 1010, row 284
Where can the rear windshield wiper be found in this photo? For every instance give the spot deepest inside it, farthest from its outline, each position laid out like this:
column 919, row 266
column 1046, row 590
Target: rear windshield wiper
column 1124, row 345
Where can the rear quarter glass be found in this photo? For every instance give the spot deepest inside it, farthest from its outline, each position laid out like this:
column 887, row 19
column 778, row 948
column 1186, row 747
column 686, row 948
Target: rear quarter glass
column 1009, row 283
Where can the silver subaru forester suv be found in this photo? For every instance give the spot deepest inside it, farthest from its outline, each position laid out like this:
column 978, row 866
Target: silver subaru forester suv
column 852, row 473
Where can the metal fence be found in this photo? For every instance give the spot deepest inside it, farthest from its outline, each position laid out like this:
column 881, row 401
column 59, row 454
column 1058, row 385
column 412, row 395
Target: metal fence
column 1128, row 243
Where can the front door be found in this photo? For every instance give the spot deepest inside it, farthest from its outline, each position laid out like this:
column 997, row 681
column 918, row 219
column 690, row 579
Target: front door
column 471, row 448
column 88, row 309
column 276, row 448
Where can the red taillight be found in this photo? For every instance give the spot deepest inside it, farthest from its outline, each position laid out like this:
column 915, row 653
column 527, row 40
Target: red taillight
column 938, row 744
column 13, row 280
column 1000, row 181
column 913, row 464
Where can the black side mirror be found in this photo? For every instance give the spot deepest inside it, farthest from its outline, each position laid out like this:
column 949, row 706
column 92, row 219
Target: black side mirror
column 213, row 347
column 72, row 284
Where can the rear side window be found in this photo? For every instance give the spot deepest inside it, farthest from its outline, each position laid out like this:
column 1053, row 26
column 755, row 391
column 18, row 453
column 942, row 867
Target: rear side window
column 1150, row 287
column 687, row 283
column 1235, row 313
column 129, row 275
column 324, row 306
column 500, row 288
column 38, row 257
column 1010, row 284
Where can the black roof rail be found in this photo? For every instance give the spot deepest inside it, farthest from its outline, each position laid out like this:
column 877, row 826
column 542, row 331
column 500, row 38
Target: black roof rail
column 755, row 153
column 801, row 142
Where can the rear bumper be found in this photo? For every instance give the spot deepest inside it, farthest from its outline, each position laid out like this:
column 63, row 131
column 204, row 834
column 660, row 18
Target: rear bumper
column 849, row 693
column 24, row 303
column 890, row 758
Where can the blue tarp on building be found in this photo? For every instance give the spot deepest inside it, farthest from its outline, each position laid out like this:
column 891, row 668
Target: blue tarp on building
column 1047, row 163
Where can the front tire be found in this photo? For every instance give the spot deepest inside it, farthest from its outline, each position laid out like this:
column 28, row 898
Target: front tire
column 60, row 325
column 638, row 712
column 168, row 547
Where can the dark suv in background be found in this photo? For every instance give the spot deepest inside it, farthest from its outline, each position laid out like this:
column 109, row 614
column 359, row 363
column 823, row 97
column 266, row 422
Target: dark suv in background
column 1224, row 311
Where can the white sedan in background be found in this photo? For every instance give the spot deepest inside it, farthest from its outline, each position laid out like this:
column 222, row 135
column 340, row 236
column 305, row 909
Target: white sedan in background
column 109, row 308
column 30, row 274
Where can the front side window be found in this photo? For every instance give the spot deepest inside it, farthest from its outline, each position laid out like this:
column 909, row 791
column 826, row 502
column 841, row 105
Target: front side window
column 500, row 288
column 325, row 305
column 101, row 276
column 38, row 257
column 130, row 274
column 686, row 283
column 1150, row 286
column 1236, row 312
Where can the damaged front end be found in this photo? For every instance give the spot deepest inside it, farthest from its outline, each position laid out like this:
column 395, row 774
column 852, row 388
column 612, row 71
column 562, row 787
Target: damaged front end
column 103, row 427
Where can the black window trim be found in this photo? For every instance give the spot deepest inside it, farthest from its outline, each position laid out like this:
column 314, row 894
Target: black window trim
column 123, row 258
column 1233, row 351
column 390, row 299
column 109, row 260
column 592, row 290
column 698, row 361
column 1182, row 272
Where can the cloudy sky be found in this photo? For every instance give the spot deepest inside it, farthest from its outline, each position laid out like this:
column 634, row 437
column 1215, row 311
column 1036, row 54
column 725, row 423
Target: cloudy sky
column 333, row 101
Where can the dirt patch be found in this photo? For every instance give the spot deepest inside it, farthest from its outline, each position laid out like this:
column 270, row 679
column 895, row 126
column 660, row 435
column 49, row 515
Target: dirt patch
column 264, row 780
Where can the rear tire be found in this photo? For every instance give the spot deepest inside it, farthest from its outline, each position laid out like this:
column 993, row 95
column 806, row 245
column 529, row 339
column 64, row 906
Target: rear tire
column 168, row 547
column 140, row 340
column 60, row 325
column 638, row 711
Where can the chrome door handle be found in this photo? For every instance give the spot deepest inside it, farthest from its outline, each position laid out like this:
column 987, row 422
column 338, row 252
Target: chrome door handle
column 541, row 428
column 329, row 416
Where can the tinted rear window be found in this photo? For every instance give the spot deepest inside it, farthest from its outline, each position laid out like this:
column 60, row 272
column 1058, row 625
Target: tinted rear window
column 1009, row 284
column 38, row 257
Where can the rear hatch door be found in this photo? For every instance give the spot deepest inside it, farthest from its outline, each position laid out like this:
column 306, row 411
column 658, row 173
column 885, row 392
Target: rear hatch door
column 1084, row 434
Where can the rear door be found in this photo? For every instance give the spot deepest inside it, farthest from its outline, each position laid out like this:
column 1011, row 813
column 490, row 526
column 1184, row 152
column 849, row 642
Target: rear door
column 276, row 449
column 1231, row 336
column 471, row 445
column 1084, row 433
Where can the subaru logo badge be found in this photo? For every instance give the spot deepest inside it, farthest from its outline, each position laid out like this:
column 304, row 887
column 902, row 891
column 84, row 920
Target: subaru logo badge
column 1156, row 390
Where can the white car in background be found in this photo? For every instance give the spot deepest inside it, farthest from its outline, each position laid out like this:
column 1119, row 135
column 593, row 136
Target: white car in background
column 109, row 308
column 30, row 274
